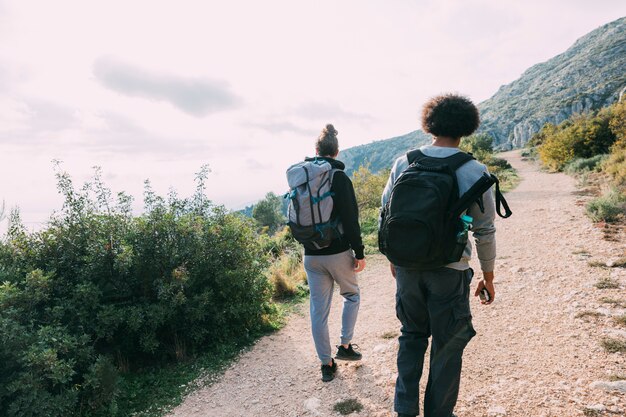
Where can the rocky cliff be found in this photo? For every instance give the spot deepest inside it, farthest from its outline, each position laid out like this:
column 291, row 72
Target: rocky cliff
column 589, row 75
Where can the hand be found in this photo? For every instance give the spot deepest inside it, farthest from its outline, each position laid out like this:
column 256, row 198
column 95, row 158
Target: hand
column 486, row 282
column 359, row 265
column 393, row 269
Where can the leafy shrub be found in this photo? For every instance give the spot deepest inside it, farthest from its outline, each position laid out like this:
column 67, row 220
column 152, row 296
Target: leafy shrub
column 100, row 291
column 480, row 145
column 581, row 136
column 368, row 188
column 268, row 212
column 615, row 166
column 617, row 123
column 608, row 207
column 580, row 165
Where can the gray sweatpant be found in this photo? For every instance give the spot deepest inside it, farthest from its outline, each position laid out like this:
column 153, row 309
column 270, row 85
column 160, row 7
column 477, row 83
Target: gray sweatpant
column 322, row 272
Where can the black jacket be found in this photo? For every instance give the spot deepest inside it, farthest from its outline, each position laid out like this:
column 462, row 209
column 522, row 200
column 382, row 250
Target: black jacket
column 346, row 209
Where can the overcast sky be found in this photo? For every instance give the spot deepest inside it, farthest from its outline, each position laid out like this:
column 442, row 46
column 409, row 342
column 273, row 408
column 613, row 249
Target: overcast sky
column 155, row 89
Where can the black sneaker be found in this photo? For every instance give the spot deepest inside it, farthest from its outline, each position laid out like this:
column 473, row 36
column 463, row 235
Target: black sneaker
column 328, row 372
column 348, row 354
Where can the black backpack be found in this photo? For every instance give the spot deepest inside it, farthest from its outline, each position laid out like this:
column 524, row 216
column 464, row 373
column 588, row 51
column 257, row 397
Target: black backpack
column 420, row 224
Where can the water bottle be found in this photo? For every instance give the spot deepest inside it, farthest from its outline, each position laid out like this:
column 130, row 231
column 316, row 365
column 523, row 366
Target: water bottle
column 461, row 237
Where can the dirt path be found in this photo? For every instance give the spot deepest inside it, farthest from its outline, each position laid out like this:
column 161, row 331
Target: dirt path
column 533, row 355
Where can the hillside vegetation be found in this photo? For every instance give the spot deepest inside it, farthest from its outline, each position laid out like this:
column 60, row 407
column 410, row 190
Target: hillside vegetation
column 104, row 313
column 379, row 155
column 592, row 146
column 588, row 76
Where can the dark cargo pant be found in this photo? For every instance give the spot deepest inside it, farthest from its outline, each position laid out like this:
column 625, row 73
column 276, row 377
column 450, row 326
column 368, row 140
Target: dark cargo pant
column 432, row 303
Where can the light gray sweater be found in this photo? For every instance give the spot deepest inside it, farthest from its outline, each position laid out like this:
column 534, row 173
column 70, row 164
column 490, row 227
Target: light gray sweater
column 483, row 228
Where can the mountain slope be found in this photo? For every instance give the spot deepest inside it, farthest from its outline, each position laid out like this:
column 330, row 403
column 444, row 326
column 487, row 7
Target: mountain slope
column 587, row 76
column 381, row 154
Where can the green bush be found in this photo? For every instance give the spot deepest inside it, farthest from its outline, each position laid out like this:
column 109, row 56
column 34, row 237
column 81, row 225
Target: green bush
column 615, row 166
column 100, row 292
column 580, row 165
column 368, row 188
column 608, row 207
column 480, row 145
column 581, row 136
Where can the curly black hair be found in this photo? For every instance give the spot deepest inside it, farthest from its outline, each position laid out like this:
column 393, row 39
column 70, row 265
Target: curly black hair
column 327, row 143
column 450, row 115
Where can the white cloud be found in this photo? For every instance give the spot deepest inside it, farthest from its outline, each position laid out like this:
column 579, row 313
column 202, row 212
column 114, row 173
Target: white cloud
column 195, row 96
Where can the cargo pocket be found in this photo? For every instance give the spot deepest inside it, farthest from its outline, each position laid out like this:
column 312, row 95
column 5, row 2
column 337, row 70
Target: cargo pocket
column 464, row 330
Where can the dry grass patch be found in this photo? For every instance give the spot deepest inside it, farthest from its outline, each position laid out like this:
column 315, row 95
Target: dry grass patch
column 349, row 406
column 287, row 276
column 597, row 264
column 620, row 263
column 614, row 344
column 606, row 283
column 614, row 302
column 621, row 320
column 591, row 412
column 389, row 335
column 588, row 313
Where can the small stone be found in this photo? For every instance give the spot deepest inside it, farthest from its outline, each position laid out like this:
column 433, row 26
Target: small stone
column 312, row 405
column 497, row 410
column 596, row 407
column 619, row 386
column 379, row 348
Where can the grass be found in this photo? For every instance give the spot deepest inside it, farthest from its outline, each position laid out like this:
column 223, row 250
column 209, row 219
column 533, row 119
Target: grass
column 609, row 207
column 580, row 252
column 621, row 320
column 606, row 283
column 620, row 263
column 597, row 264
column 389, row 335
column 349, row 406
column 613, row 301
column 591, row 412
column 616, row 377
column 614, row 345
column 287, row 276
column 152, row 392
column 588, row 313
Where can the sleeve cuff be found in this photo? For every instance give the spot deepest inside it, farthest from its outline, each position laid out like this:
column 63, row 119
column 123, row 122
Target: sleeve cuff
column 487, row 266
column 358, row 252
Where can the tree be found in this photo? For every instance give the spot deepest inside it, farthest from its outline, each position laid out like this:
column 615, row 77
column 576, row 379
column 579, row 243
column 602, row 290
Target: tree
column 368, row 187
column 268, row 212
column 480, row 145
column 617, row 123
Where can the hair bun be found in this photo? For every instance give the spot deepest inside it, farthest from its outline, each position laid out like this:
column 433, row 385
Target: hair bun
column 330, row 130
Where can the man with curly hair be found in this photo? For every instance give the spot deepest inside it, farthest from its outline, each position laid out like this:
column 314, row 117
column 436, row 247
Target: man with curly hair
column 436, row 302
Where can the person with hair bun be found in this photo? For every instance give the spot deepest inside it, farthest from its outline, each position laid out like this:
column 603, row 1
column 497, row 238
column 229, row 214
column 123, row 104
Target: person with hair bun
column 337, row 263
column 436, row 301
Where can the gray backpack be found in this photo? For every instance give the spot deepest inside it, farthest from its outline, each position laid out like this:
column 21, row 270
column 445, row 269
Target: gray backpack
column 311, row 204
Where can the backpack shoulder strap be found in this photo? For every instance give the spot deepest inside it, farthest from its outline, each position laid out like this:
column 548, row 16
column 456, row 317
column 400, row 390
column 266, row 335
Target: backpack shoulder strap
column 414, row 155
column 454, row 161
column 458, row 159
